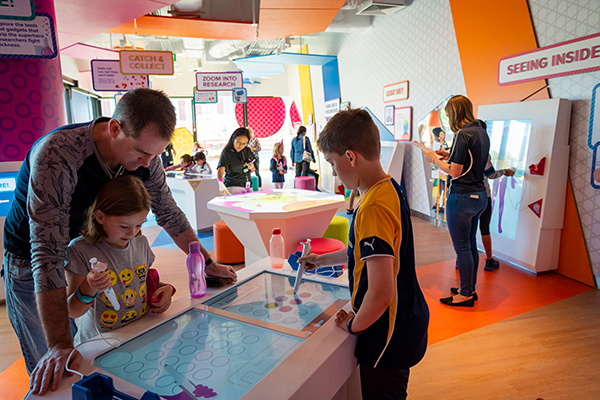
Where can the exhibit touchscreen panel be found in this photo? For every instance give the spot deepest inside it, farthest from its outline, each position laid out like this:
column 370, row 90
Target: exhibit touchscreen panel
column 509, row 141
column 8, row 183
column 434, row 128
column 270, row 297
column 199, row 355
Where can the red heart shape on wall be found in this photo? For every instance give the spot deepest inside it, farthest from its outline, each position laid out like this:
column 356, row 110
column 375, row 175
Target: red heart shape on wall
column 266, row 115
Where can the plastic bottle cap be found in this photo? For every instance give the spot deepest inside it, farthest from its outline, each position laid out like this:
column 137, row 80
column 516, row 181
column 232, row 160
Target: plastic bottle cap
column 194, row 247
column 276, row 231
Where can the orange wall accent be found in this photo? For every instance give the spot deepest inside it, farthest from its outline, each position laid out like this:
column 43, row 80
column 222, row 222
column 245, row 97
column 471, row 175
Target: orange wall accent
column 187, row 27
column 284, row 18
column 573, row 260
column 487, row 31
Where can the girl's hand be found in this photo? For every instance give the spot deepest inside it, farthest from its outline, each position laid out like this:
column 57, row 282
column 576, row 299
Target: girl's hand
column 98, row 281
column 161, row 299
column 281, row 172
column 342, row 317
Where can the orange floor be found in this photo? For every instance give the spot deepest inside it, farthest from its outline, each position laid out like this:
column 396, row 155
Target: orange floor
column 503, row 293
column 14, row 381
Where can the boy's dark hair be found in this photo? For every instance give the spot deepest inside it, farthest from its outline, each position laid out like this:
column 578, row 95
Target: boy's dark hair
column 186, row 158
column 122, row 196
column 199, row 156
column 139, row 108
column 354, row 130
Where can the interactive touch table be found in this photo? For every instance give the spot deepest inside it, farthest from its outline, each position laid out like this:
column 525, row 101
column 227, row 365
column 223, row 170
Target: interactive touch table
column 254, row 340
column 299, row 213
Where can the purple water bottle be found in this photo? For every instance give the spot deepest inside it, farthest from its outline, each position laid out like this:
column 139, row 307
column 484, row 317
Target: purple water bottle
column 195, row 266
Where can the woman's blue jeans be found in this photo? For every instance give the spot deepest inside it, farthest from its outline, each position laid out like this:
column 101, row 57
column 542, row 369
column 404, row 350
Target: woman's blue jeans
column 462, row 214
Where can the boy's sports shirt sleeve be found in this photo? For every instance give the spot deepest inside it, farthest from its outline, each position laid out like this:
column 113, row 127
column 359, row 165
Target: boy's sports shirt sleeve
column 377, row 232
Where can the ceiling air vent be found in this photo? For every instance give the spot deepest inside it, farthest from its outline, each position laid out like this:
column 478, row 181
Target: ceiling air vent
column 382, row 7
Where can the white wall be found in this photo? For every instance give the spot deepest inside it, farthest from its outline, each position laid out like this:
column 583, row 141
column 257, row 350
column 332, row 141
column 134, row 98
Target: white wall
column 418, row 44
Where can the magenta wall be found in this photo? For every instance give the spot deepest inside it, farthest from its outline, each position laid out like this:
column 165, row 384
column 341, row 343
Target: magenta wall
column 31, row 99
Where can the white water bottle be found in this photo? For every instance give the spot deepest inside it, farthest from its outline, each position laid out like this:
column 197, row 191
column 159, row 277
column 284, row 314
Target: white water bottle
column 99, row 267
column 276, row 249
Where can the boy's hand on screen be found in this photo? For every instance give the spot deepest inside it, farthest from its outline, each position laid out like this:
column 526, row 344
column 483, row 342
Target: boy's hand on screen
column 342, row 317
column 98, row 281
column 161, row 300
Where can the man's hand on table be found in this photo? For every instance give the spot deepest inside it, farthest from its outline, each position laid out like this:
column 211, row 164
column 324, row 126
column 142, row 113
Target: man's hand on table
column 50, row 369
column 222, row 271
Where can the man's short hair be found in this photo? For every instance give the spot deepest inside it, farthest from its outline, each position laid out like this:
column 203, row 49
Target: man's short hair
column 139, row 108
column 354, row 130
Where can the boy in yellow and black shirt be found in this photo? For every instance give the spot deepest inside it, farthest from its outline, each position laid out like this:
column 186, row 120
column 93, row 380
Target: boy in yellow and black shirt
column 390, row 314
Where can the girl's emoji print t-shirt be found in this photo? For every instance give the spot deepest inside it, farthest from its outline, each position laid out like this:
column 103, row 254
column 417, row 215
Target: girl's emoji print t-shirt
column 127, row 268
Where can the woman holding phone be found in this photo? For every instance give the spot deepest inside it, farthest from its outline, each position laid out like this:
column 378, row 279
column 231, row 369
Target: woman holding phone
column 237, row 163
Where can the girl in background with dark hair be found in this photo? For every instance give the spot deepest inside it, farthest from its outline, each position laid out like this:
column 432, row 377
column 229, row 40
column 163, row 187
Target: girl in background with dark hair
column 467, row 198
column 301, row 144
column 236, row 163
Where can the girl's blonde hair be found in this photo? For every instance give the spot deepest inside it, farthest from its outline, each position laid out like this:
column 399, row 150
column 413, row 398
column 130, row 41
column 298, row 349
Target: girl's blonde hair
column 460, row 112
column 122, row 196
column 276, row 149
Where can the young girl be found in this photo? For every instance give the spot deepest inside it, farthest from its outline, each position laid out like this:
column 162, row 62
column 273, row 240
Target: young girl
column 201, row 166
column 186, row 162
column 278, row 165
column 111, row 234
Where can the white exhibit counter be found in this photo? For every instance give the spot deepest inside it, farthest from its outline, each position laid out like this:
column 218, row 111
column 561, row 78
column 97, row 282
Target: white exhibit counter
column 252, row 340
column 300, row 214
column 192, row 196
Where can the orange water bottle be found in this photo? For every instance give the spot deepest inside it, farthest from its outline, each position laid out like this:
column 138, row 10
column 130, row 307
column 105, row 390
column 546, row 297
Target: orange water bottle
column 276, row 248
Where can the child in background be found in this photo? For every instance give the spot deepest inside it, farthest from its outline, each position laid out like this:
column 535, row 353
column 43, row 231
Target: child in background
column 278, row 165
column 197, row 147
column 390, row 315
column 111, row 234
column 201, row 165
column 186, row 161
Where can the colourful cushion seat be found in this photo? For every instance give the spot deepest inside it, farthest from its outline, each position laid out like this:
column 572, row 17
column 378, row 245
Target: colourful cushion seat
column 304, row 182
column 339, row 228
column 228, row 248
column 320, row 246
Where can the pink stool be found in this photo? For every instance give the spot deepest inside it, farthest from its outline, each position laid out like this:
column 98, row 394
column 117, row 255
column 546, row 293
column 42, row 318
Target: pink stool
column 322, row 246
column 305, row 182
